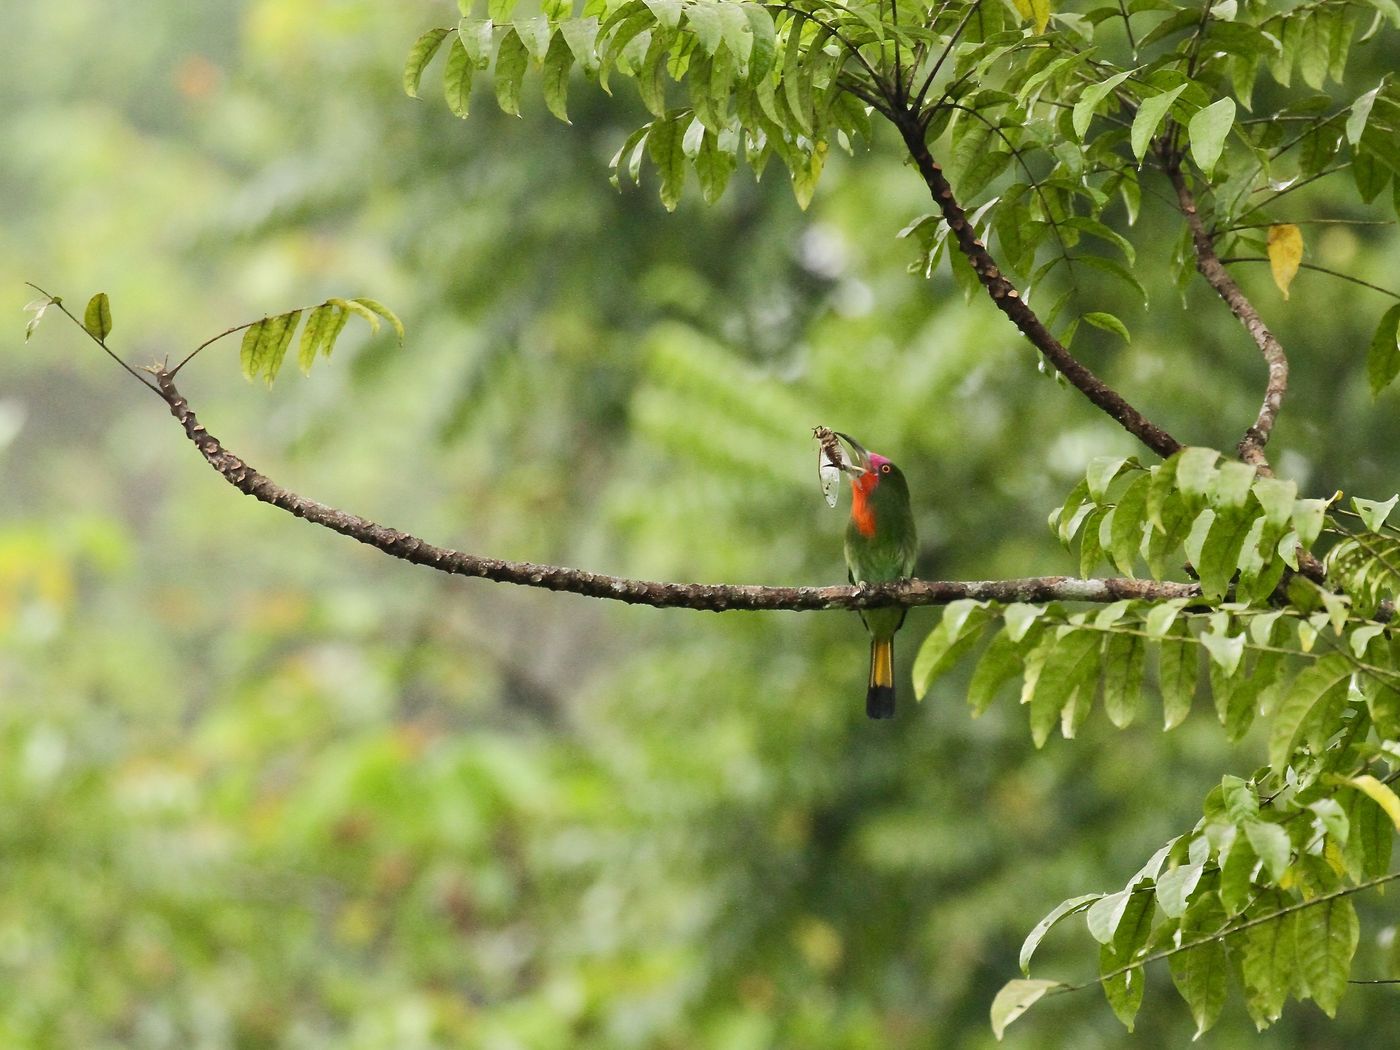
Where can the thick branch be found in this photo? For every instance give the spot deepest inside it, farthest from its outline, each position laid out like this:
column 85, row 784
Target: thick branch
column 712, row 597
column 1251, row 446
column 1009, row 301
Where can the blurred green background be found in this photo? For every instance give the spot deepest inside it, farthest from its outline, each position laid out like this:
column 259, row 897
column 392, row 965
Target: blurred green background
column 261, row 786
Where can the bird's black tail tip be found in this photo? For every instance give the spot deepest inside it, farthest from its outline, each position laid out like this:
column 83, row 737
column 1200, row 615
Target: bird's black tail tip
column 879, row 701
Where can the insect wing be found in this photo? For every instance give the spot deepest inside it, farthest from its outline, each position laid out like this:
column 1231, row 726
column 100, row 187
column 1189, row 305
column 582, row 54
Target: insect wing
column 830, row 475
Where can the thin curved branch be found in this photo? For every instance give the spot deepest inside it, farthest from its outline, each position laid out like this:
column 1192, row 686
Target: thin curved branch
column 1008, row 300
column 711, row 597
column 1251, row 446
column 1221, row 934
column 1318, row 269
column 58, row 302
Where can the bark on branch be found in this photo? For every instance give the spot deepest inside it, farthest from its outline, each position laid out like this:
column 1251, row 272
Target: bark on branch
column 712, row 597
column 1251, row 446
column 1008, row 300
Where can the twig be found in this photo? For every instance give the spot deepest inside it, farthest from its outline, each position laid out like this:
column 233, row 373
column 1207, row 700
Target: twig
column 1220, row 935
column 1251, row 446
column 703, row 596
column 1318, row 269
column 58, row 302
column 1007, row 299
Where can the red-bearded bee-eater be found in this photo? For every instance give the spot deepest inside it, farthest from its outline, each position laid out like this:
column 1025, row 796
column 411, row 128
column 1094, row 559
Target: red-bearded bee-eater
column 881, row 545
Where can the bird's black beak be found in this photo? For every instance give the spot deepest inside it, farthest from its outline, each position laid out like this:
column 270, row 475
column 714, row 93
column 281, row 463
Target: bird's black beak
column 859, row 456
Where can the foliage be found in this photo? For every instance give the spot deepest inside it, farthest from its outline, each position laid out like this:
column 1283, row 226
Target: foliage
column 1045, row 120
column 265, row 789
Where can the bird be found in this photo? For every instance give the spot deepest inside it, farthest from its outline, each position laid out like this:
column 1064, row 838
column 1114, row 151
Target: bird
column 881, row 545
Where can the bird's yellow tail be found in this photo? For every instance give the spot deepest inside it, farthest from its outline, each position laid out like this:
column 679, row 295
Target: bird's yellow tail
column 879, row 698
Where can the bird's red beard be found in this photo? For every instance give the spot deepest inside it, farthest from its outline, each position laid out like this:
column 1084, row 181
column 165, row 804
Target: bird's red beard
column 862, row 513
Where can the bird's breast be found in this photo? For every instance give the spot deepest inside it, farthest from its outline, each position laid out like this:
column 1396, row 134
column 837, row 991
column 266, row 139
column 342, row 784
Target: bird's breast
column 862, row 509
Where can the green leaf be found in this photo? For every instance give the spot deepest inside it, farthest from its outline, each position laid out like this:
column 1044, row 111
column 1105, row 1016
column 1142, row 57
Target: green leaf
column 500, row 10
column 97, row 318
column 1195, row 471
column 558, row 60
column 1306, row 693
column 534, row 33
column 1063, row 910
column 1241, row 802
column 1100, row 474
column 764, row 50
column 1122, row 678
column 1177, row 670
column 797, row 81
column 1014, row 999
column 1124, row 990
column 1149, row 115
column 1371, row 837
column 511, row 61
column 1389, row 9
column 1314, row 46
column 667, row 12
column 713, row 165
column 1128, row 524
column 665, row 146
column 1237, row 875
column 581, row 34
column 1271, row 844
column 956, row 633
column 1201, row 974
column 424, row 48
column 265, row 344
column 1000, row 663
column 1276, row 497
column 1327, row 934
column 1108, row 323
column 457, row 78
column 1268, row 958
column 1383, row 357
column 1107, row 913
column 1207, row 131
column 475, row 35
column 1220, row 554
column 319, row 325
column 1175, row 886
column 805, row 176
column 1360, row 113
column 1373, row 514
column 1071, row 662
column 705, row 22
column 376, row 307
column 1089, row 100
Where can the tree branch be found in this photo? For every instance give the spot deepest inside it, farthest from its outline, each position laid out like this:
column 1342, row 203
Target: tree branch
column 712, row 597
column 1221, row 934
column 1251, row 446
column 1009, row 301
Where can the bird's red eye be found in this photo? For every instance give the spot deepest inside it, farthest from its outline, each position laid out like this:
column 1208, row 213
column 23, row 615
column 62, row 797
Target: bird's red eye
column 884, row 468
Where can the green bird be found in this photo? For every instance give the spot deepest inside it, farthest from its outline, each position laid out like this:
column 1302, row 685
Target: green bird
column 881, row 545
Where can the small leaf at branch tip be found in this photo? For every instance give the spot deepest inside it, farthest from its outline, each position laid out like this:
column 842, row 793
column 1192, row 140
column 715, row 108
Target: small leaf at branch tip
column 1285, row 254
column 97, row 318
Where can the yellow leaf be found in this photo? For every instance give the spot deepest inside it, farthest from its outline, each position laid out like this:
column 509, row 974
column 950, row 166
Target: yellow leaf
column 1038, row 10
column 1381, row 793
column 1285, row 253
